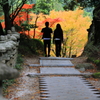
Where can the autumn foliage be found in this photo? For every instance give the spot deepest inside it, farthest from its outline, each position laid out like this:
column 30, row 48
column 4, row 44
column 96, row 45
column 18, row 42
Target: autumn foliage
column 73, row 23
column 74, row 26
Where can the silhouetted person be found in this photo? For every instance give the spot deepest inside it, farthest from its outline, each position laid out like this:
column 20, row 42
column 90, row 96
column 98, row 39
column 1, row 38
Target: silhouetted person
column 47, row 38
column 58, row 39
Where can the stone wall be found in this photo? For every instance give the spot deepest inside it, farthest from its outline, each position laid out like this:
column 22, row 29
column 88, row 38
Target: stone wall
column 8, row 54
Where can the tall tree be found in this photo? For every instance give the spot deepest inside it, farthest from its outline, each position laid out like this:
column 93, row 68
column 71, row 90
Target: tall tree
column 94, row 30
column 11, row 9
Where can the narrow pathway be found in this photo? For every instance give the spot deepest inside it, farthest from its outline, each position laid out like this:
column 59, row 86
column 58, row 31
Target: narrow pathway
column 52, row 78
column 59, row 80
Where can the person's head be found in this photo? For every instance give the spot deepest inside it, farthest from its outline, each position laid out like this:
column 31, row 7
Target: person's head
column 58, row 26
column 46, row 24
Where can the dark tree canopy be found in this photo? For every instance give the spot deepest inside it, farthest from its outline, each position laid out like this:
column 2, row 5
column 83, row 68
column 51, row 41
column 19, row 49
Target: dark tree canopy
column 94, row 30
column 88, row 3
column 11, row 11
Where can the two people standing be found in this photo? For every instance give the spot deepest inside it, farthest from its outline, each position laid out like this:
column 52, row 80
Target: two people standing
column 57, row 39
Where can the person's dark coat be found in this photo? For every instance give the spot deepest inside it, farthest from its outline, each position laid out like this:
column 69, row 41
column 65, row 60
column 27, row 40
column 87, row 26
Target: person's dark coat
column 58, row 33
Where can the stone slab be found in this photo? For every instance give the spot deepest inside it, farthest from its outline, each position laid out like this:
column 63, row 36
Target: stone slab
column 56, row 63
column 58, row 70
column 68, row 88
column 54, row 58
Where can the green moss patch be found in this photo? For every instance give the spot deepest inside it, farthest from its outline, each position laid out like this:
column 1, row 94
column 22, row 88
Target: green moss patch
column 96, row 75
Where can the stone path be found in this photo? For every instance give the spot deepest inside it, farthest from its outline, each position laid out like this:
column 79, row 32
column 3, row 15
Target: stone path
column 66, row 88
column 72, row 86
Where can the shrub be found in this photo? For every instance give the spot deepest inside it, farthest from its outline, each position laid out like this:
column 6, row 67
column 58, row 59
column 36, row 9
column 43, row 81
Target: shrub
column 91, row 50
column 95, row 61
column 28, row 46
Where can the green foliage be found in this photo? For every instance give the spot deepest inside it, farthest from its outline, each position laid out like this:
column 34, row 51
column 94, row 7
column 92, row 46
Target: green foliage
column 18, row 28
column 20, row 59
column 70, row 4
column 94, row 60
column 19, row 62
column 7, row 83
column 18, row 66
column 96, row 75
column 91, row 50
column 90, row 59
column 30, row 46
column 88, row 11
column 25, row 27
column 97, row 61
column 57, row 5
column 93, row 54
column 45, row 6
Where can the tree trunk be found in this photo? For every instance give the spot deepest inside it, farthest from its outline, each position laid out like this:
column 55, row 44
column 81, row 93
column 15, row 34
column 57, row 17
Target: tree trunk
column 96, row 20
column 35, row 26
column 6, row 8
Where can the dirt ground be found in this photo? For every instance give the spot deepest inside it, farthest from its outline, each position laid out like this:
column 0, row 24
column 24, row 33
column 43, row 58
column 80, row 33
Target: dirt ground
column 94, row 81
column 27, row 88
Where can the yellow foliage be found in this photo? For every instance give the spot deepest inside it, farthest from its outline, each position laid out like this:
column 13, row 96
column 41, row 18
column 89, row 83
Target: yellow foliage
column 74, row 26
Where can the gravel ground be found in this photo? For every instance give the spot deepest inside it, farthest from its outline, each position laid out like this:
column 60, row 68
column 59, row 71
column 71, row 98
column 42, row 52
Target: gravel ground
column 95, row 83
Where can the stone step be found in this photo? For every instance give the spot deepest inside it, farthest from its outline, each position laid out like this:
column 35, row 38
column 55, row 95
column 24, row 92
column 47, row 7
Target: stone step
column 67, row 88
column 39, row 74
column 58, row 70
column 48, row 61
column 55, row 61
column 54, row 58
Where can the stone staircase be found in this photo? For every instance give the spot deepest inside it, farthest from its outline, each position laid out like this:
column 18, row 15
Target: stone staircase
column 59, row 80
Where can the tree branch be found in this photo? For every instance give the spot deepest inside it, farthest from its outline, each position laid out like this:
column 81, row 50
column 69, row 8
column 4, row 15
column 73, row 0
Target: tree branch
column 19, row 7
